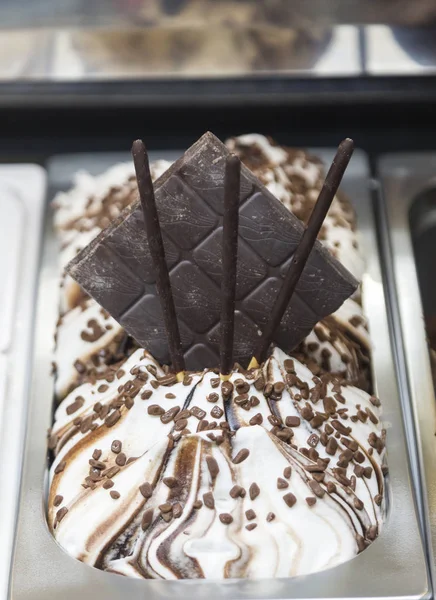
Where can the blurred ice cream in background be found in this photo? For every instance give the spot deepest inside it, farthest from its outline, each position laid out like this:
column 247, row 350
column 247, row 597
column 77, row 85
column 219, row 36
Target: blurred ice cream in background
column 201, row 38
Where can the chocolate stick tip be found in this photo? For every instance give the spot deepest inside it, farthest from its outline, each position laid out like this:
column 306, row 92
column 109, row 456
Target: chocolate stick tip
column 229, row 261
column 233, row 160
column 138, row 150
column 157, row 251
column 137, row 144
column 346, row 147
column 304, row 248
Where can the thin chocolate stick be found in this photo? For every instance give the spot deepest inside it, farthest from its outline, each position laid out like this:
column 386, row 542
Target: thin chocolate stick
column 157, row 251
column 229, row 262
column 319, row 212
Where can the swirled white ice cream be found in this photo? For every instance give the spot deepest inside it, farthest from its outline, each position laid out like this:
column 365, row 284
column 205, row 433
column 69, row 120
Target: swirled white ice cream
column 87, row 339
column 87, row 208
column 340, row 345
column 275, row 473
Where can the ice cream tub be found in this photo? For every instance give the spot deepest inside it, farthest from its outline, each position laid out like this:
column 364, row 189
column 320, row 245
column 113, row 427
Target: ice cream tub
column 408, row 185
column 392, row 566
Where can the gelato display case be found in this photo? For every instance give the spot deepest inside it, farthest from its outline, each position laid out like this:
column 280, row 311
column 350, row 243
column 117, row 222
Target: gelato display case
column 407, row 183
column 399, row 574
column 90, row 507
column 193, row 50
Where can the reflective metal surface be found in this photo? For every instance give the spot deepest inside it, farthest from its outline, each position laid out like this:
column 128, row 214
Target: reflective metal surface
column 22, row 201
column 392, row 567
column 80, row 13
column 403, row 178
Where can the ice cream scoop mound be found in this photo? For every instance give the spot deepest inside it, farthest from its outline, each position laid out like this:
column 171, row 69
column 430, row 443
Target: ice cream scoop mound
column 274, row 473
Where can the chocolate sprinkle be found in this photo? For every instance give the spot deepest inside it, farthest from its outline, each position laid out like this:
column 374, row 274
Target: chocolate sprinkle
column 292, row 421
column 358, row 503
column 259, row 383
column 169, row 415
column 270, row 517
column 155, row 410
column 199, row 413
column 113, row 418
column 76, row 405
column 332, row 446
column 167, row 380
column 226, row 388
column 375, row 401
column 60, row 467
column 181, row 424
column 254, row 491
column 209, row 500
column 340, row 428
column 212, row 466
column 146, row 490
column 251, row 526
column 331, row 487
column 114, row 494
column 316, row 488
column 147, row 518
column 237, row 491
column 226, row 518
column 313, row 440
column 358, row 471
column 290, row 499
column 121, row 459
column 256, row 420
column 287, row 472
column 170, row 482
column 216, row 412
column 275, row 421
column 367, row 472
column 250, row 514
column 241, row 456
column 279, row 387
column 61, row 514
column 111, row 472
column 80, row 367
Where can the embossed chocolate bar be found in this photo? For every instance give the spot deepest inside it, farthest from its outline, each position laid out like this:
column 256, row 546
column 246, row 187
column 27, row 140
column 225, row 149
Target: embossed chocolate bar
column 116, row 268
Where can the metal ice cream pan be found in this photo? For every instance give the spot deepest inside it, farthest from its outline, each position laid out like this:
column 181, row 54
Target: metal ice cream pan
column 408, row 184
column 392, row 567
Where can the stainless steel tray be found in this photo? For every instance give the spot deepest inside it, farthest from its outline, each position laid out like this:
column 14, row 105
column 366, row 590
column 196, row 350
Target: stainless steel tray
column 22, row 201
column 392, row 567
column 403, row 178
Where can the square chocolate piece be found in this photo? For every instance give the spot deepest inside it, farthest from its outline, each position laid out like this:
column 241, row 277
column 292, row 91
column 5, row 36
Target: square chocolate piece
column 116, row 268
